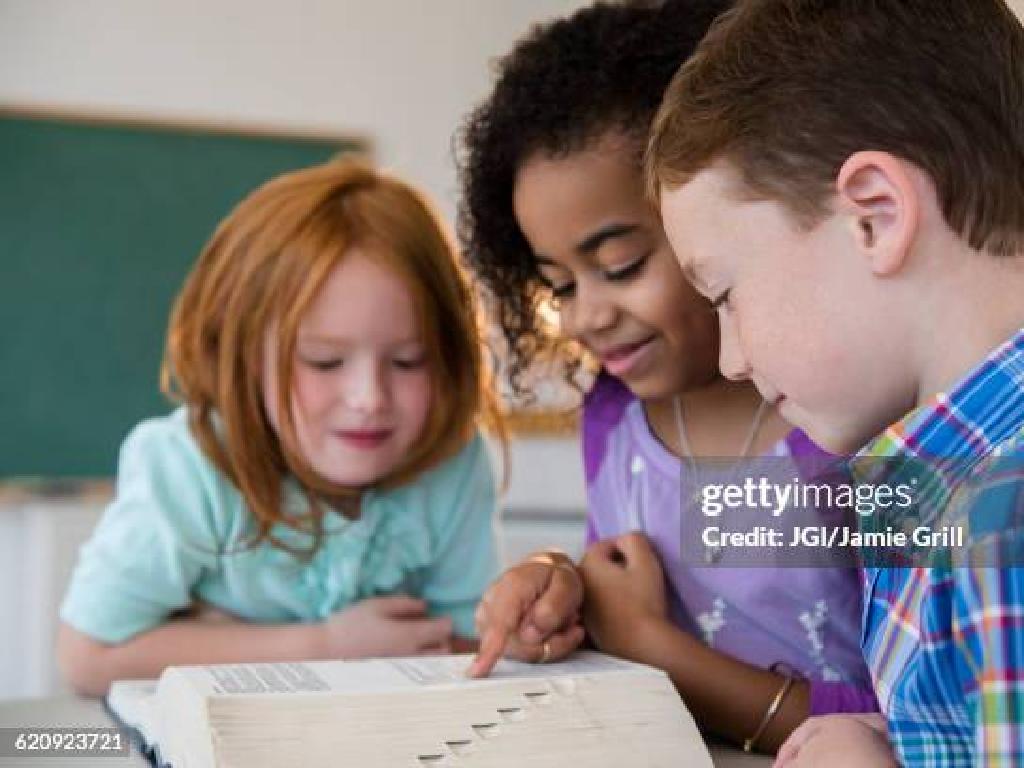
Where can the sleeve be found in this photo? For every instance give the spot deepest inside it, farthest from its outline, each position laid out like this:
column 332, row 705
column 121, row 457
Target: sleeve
column 592, row 451
column 590, row 534
column 989, row 625
column 829, row 698
column 151, row 544
column 603, row 409
column 465, row 529
column 988, row 616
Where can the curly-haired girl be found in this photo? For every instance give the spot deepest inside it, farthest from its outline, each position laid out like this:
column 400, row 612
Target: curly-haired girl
column 554, row 210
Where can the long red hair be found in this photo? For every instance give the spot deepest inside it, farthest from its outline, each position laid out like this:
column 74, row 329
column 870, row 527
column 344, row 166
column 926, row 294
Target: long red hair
column 259, row 273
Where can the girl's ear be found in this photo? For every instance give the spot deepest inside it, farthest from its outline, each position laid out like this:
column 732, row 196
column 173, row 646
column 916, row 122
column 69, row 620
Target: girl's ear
column 876, row 191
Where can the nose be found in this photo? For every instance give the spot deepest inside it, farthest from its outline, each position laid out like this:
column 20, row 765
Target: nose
column 590, row 312
column 731, row 360
column 366, row 388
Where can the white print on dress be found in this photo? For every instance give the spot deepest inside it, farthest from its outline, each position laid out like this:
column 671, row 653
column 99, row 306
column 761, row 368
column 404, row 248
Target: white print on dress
column 813, row 623
column 711, row 622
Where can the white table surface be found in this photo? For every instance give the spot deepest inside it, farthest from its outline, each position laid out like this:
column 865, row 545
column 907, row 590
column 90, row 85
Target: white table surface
column 75, row 712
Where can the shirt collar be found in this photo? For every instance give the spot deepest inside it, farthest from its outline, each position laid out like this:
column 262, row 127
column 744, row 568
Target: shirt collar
column 985, row 408
column 936, row 445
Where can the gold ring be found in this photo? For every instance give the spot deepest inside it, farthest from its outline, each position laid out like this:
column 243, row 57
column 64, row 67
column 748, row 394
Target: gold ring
column 545, row 655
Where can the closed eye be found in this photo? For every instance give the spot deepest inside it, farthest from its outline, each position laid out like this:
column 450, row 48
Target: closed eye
column 629, row 271
column 564, row 291
column 325, row 364
column 722, row 302
column 408, row 364
column 567, row 289
column 559, row 290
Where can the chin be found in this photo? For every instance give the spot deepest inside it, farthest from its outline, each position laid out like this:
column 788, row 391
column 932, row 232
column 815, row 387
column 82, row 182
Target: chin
column 835, row 442
column 648, row 387
column 353, row 477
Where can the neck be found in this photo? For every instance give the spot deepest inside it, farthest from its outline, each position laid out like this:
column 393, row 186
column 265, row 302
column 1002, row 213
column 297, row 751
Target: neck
column 973, row 308
column 721, row 409
column 715, row 392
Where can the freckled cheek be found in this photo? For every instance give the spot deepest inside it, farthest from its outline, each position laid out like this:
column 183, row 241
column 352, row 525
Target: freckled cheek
column 313, row 396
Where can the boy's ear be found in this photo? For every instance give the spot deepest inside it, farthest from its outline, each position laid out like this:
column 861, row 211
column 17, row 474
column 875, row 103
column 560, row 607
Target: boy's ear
column 876, row 191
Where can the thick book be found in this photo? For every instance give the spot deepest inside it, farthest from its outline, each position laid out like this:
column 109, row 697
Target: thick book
column 591, row 710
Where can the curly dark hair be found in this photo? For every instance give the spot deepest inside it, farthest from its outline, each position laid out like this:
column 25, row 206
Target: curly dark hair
column 566, row 84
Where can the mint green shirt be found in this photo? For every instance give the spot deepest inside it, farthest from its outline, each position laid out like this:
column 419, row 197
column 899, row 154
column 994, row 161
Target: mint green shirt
column 174, row 534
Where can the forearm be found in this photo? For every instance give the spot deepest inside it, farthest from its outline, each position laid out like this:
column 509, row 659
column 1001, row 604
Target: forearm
column 92, row 666
column 726, row 696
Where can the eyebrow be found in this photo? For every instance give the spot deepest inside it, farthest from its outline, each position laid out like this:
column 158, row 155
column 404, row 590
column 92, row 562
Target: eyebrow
column 595, row 240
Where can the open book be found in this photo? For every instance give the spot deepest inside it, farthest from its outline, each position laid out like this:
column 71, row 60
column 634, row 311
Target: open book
column 591, row 710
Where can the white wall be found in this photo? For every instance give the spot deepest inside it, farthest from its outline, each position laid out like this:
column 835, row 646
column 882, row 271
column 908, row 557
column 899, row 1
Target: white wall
column 403, row 72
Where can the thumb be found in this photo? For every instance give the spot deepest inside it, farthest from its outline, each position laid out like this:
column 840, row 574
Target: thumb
column 605, row 549
column 635, row 548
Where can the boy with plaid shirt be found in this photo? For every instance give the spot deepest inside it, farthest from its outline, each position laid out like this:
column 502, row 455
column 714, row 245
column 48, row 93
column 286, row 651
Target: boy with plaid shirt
column 845, row 180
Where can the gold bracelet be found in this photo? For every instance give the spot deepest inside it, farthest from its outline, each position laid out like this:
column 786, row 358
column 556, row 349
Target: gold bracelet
column 773, row 708
column 548, row 558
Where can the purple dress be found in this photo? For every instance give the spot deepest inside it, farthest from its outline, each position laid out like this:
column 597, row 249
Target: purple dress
column 808, row 618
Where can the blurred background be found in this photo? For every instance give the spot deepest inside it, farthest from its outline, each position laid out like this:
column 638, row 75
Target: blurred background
column 126, row 130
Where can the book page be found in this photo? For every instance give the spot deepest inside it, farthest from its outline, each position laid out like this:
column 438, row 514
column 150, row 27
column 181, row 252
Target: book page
column 131, row 701
column 434, row 670
column 379, row 675
column 133, row 705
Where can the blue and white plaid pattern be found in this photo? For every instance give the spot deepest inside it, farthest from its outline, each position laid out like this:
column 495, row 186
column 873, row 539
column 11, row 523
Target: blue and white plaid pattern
column 945, row 644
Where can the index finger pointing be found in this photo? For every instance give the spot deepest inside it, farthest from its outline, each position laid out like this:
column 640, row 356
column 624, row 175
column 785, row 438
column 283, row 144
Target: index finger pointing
column 492, row 646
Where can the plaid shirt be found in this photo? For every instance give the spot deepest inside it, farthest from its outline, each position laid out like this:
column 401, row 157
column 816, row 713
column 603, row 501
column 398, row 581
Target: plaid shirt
column 945, row 643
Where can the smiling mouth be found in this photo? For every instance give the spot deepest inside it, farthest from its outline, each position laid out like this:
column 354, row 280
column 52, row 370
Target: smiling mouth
column 364, row 439
column 620, row 360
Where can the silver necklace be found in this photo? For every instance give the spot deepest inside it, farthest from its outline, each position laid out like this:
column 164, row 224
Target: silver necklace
column 711, row 554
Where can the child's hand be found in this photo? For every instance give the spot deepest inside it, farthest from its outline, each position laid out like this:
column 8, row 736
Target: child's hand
column 384, row 626
column 836, row 741
column 625, row 587
column 530, row 605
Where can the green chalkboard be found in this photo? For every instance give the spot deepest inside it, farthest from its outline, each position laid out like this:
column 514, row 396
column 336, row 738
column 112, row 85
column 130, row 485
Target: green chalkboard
column 99, row 224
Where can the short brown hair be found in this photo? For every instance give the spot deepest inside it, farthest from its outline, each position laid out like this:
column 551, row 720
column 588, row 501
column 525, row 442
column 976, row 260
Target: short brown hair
column 261, row 270
column 787, row 90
